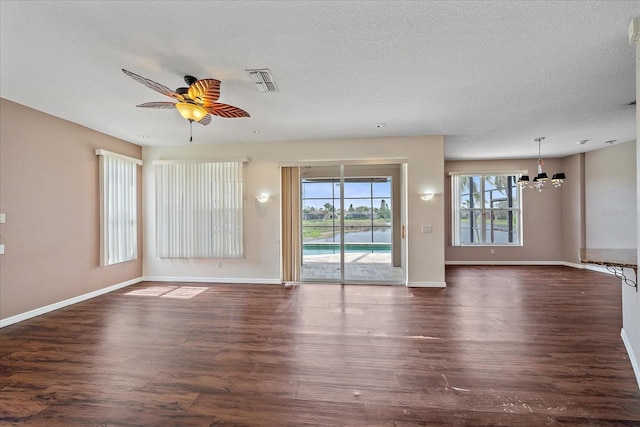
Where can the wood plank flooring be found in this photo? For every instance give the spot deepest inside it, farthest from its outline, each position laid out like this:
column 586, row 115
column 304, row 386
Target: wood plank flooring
column 500, row 346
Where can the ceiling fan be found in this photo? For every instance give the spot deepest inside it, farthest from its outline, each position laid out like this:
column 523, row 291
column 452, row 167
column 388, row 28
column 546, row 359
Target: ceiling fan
column 196, row 103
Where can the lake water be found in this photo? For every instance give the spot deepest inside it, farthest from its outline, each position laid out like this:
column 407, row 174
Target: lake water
column 379, row 236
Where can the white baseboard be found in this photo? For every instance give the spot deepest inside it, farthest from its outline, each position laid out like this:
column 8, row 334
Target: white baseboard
column 505, row 263
column 592, row 267
column 575, row 265
column 427, row 284
column 632, row 356
column 212, row 280
column 597, row 268
column 58, row 305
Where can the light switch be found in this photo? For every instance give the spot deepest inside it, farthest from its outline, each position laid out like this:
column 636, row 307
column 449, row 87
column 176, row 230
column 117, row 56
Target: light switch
column 1, row 249
column 427, row 228
column 3, row 218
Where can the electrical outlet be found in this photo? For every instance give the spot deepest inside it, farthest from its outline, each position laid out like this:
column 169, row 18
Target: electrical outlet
column 493, row 251
column 427, row 228
column 3, row 218
column 219, row 265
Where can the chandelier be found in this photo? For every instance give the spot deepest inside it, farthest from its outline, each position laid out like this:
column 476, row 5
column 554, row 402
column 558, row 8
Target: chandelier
column 542, row 178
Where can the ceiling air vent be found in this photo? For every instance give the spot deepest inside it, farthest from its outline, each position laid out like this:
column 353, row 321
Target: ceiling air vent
column 263, row 80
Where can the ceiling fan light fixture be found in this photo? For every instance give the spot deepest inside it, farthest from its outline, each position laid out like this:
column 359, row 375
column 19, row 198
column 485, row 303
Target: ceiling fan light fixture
column 190, row 111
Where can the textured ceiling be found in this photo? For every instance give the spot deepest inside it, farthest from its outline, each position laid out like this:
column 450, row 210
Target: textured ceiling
column 490, row 76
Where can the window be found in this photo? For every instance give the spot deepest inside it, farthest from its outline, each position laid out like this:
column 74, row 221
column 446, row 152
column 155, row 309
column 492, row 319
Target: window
column 486, row 210
column 118, row 207
column 367, row 204
column 199, row 209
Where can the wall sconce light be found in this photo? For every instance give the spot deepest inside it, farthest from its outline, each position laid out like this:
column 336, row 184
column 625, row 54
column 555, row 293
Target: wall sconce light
column 262, row 198
column 426, row 196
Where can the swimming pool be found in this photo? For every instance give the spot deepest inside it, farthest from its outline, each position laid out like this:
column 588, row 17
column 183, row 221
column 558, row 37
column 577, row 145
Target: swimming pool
column 334, row 248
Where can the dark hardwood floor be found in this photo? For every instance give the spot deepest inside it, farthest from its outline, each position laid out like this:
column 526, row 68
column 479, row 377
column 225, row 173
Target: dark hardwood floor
column 500, row 346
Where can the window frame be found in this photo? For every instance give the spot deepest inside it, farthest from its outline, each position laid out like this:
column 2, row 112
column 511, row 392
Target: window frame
column 118, row 175
column 485, row 213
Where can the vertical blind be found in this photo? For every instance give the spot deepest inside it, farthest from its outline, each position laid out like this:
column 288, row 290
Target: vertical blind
column 118, row 207
column 291, row 224
column 200, row 209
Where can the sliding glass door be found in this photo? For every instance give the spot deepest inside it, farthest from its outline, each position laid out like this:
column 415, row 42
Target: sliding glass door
column 351, row 224
column 321, row 224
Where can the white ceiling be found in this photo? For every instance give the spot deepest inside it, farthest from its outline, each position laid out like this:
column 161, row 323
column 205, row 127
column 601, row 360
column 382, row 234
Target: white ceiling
column 489, row 75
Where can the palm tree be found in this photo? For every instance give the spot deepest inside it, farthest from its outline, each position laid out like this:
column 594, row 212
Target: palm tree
column 328, row 210
column 471, row 199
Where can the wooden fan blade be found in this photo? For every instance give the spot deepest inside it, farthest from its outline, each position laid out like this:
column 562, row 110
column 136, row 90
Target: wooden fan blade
column 205, row 92
column 205, row 120
column 153, row 85
column 227, row 111
column 159, row 105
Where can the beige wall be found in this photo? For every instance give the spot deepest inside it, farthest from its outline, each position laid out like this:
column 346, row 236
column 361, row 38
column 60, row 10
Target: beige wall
column 596, row 207
column 262, row 263
column 611, row 209
column 49, row 193
column 542, row 217
column 612, row 222
column 573, row 208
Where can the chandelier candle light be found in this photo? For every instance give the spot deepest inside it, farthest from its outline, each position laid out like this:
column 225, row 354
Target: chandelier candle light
column 541, row 179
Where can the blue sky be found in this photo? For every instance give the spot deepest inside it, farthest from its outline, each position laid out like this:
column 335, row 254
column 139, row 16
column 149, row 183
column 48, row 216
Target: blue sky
column 316, row 194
